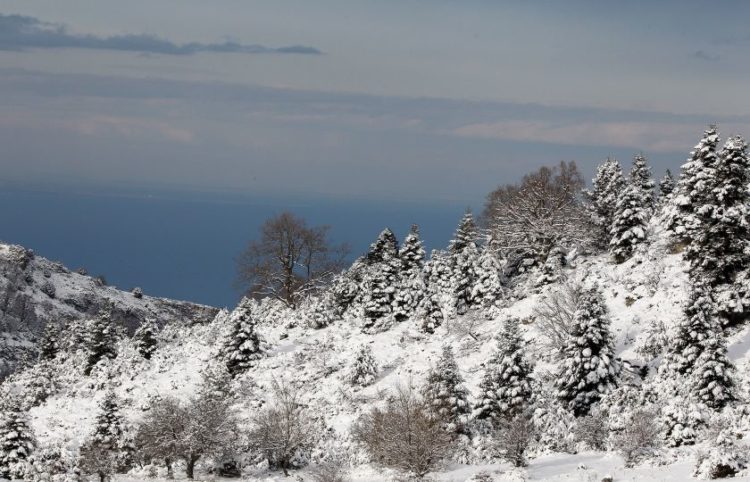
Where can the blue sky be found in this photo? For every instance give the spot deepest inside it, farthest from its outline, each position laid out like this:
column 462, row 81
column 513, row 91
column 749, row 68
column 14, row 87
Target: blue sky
column 429, row 100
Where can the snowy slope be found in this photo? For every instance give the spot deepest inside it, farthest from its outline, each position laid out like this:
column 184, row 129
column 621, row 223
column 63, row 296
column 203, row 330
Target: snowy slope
column 650, row 287
column 35, row 291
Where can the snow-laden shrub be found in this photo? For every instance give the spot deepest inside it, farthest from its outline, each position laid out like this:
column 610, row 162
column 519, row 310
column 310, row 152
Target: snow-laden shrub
column 639, row 438
column 48, row 288
column 364, row 369
column 513, row 438
column 592, row 430
column 725, row 457
column 681, row 418
column 137, row 292
column 53, row 463
column 653, row 340
column 554, row 424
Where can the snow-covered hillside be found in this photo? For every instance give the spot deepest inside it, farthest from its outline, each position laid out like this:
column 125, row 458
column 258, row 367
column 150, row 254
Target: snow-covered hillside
column 35, row 291
column 650, row 287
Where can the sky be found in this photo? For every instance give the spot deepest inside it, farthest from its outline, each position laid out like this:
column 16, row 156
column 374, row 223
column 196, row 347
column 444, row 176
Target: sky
column 385, row 100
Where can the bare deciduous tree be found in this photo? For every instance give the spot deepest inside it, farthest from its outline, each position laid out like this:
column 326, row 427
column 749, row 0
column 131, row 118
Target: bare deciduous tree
column 175, row 430
column 404, row 435
column 513, row 438
column 553, row 315
column 640, row 437
column 541, row 212
column 284, row 428
column 288, row 259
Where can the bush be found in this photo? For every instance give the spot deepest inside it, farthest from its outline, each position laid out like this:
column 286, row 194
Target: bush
column 513, row 438
column 404, row 435
column 640, row 437
column 138, row 292
column 725, row 458
column 284, row 429
column 592, row 430
column 48, row 289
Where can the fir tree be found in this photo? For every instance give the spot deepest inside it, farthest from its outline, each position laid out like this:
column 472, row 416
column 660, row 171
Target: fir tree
column 144, row 338
column 589, row 369
column 101, row 340
column 381, row 278
column 411, row 286
column 464, row 259
column 666, row 186
column 430, row 313
column 506, row 385
column 109, row 434
column 686, row 199
column 640, row 176
column 630, row 223
column 719, row 244
column 445, row 392
column 602, row 199
column 17, row 442
column 438, row 274
column 693, row 330
column 553, row 266
column 243, row 347
column 50, row 344
column 488, row 288
column 698, row 351
column 364, row 369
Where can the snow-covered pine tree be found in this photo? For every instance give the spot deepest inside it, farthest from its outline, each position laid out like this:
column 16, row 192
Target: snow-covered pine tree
column 430, row 313
column 101, row 339
column 631, row 218
column 553, row 266
column 438, row 274
column 464, row 260
column 243, row 346
column 445, row 392
column 667, row 186
column 506, row 385
column 698, row 324
column 411, row 285
column 602, row 199
column 109, row 434
column 686, row 199
column 589, row 368
column 144, row 337
column 17, row 442
column 711, row 379
column 381, row 280
column 488, row 288
column 640, row 175
column 50, row 343
column 364, row 369
column 719, row 247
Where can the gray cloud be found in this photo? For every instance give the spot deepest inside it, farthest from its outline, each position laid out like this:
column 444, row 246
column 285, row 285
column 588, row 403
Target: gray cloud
column 706, row 56
column 18, row 32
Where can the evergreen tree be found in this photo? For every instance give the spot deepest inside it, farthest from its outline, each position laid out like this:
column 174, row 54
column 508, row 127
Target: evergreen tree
column 50, row 344
column 17, row 442
column 640, row 176
column 411, row 286
column 430, row 313
column 506, row 385
column 693, row 330
column 144, row 338
column 698, row 351
column 666, row 186
column 553, row 266
column 438, row 274
column 243, row 347
column 602, row 199
column 464, row 259
column 630, row 223
column 364, row 369
column 109, row 433
column 381, row 279
column 687, row 199
column 719, row 246
column 445, row 393
column 589, row 369
column 488, row 288
column 101, row 340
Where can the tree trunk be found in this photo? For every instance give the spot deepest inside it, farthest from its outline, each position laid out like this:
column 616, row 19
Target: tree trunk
column 170, row 472
column 191, row 460
column 283, row 467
